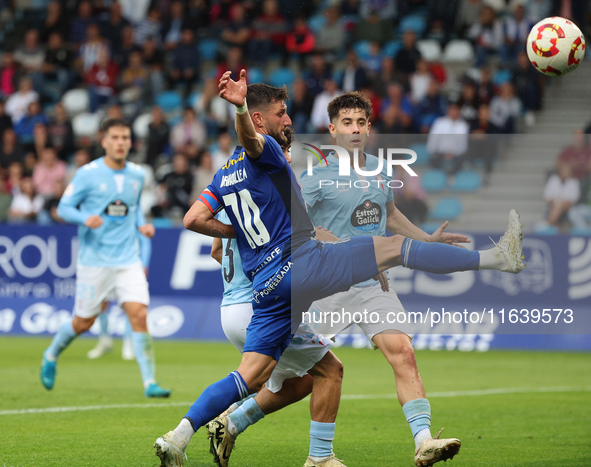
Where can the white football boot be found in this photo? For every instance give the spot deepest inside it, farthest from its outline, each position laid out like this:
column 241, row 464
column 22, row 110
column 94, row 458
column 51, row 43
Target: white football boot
column 104, row 345
column 434, row 450
column 509, row 249
column 221, row 442
column 170, row 454
column 127, row 352
column 330, row 461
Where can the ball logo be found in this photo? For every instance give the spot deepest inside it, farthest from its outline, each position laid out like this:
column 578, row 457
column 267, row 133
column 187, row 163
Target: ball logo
column 572, row 56
column 544, row 31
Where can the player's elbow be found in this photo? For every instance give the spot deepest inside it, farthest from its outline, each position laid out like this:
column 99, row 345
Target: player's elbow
column 193, row 221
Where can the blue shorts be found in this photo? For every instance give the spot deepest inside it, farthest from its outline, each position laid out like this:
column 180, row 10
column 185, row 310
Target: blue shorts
column 283, row 291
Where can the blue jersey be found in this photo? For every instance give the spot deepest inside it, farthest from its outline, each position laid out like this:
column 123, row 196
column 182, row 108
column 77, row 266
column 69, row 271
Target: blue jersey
column 353, row 205
column 237, row 287
column 114, row 195
column 264, row 203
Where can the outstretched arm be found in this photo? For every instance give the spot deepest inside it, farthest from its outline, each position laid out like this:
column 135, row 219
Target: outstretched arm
column 235, row 93
column 200, row 219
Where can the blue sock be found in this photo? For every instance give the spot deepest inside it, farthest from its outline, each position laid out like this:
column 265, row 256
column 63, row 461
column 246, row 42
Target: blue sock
column 144, row 355
column 438, row 258
column 247, row 414
column 217, row 398
column 418, row 415
column 104, row 323
column 321, row 437
column 61, row 340
column 128, row 329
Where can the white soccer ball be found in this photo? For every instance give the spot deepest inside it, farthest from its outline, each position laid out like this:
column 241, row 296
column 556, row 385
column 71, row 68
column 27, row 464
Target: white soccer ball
column 555, row 46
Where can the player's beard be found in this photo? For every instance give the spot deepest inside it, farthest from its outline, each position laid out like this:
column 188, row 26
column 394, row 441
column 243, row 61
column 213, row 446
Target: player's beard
column 280, row 138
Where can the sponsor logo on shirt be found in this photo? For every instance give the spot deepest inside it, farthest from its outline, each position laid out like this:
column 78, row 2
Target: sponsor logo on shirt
column 366, row 216
column 117, row 209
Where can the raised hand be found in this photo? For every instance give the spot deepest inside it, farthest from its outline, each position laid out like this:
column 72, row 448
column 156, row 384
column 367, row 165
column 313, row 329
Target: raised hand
column 232, row 91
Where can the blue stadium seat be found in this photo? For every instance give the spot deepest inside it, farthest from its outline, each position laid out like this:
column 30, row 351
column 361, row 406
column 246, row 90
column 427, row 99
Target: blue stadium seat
column 581, row 231
column 162, row 223
column 501, row 77
column 446, row 209
column 434, row 180
column 391, row 48
column 169, row 101
column 423, row 155
column 192, row 99
column 416, row 23
column 430, row 227
column 316, row 23
column 281, row 76
column 208, row 49
column 543, row 229
column 362, row 49
column 254, row 75
column 467, row 181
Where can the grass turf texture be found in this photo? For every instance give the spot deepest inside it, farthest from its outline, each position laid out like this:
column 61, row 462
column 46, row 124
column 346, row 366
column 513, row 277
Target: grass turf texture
column 524, row 429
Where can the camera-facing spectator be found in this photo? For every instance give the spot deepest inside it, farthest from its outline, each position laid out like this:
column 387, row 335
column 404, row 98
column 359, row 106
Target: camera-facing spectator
column 134, row 79
column 354, row 76
column 14, row 175
column 223, row 152
column 9, row 74
column 58, row 62
column 175, row 188
column 49, row 169
column 233, row 63
column 101, row 80
column 319, row 118
column 431, row 107
column 121, row 55
column 300, row 40
column 24, row 128
column 580, row 214
column 81, row 157
column 40, row 141
column 562, row 191
column 269, row 31
column 61, row 134
column 448, row 140
column 185, row 61
column 331, row 38
column 25, row 204
column 319, row 72
column 48, row 215
column 212, row 109
column 188, row 137
column 158, row 135
column 112, row 27
column 300, row 106
column 237, row 33
column 18, row 103
column 173, row 26
column 79, row 25
column 150, row 26
column 419, row 81
column 55, row 21
column 487, row 35
column 31, row 57
column 577, row 156
column 10, row 151
column 505, row 109
column 485, row 88
column 407, row 58
column 373, row 28
column 469, row 103
column 203, row 175
column 516, row 29
column 134, row 11
column 5, row 120
column 528, row 84
column 91, row 49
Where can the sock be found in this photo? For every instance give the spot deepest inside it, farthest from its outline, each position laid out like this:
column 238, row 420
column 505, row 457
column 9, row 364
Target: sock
column 128, row 330
column 61, row 340
column 235, row 405
column 492, row 259
column 104, row 323
column 183, row 433
column 216, row 398
column 144, row 355
column 321, row 437
column 438, row 258
column 418, row 416
column 247, row 414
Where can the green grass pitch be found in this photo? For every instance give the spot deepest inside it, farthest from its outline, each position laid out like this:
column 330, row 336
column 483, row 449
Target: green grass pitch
column 543, row 428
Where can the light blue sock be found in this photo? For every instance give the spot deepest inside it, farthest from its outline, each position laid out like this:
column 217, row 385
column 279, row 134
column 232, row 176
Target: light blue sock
column 61, row 340
column 144, row 355
column 128, row 329
column 217, row 398
column 104, row 323
column 418, row 415
column 321, row 438
column 247, row 414
column 437, row 258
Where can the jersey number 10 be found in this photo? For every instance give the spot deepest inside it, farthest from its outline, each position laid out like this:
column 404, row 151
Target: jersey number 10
column 254, row 230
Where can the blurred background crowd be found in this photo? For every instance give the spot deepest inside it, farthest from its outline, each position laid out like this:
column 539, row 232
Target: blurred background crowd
column 430, row 67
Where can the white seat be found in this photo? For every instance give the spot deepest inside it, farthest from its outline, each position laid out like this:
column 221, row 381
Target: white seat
column 76, row 101
column 86, row 124
column 430, row 50
column 141, row 125
column 458, row 50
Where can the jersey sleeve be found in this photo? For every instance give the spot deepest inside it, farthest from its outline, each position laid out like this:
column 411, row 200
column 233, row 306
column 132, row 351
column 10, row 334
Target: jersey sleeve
column 73, row 195
column 145, row 249
column 311, row 190
column 272, row 158
column 211, row 198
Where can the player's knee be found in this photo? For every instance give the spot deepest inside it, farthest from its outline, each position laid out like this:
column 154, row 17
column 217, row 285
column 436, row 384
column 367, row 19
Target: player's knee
column 329, row 367
column 81, row 325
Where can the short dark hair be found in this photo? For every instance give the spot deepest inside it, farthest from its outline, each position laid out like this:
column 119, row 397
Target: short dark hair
column 350, row 101
column 112, row 122
column 260, row 95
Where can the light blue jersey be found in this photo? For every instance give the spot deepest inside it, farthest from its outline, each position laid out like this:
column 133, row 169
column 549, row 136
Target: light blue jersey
column 237, row 287
column 352, row 205
column 114, row 195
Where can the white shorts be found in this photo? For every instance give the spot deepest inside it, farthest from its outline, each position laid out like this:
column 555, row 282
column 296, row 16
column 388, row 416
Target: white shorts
column 305, row 350
column 94, row 285
column 372, row 309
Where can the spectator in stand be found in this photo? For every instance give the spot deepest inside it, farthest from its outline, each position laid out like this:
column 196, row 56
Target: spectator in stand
column 486, row 90
column 237, row 33
column 487, row 35
column 10, row 151
column 149, row 27
column 391, row 122
column 48, row 215
column 300, row 106
column 199, row 14
column 5, row 120
column 31, row 57
column 134, row 79
column 468, row 14
column 407, row 58
column 81, row 157
column 505, row 109
column 374, row 29
column 188, row 137
column 220, row 156
column 185, row 62
column 350, row 7
column 419, row 81
column 528, row 84
column 482, row 146
column 135, row 10
column 411, row 198
column 40, row 142
column 203, row 175
column 319, row 118
column 18, row 103
column 61, row 134
column 448, row 140
column 430, row 108
column 331, row 37
column 55, row 21
column 580, row 214
column 174, row 25
column 516, row 29
column 9, row 74
column 26, row 204
column 373, row 62
column 58, row 63
column 300, row 40
column 112, row 27
column 577, row 155
column 469, row 103
column 269, row 31
column 387, row 75
column 174, row 189
column 234, row 63
column 90, row 50
column 121, row 55
column 15, row 175
column 213, row 109
column 316, row 76
column 395, row 97
column 387, row 8
column 221, row 11
column 79, row 25
column 562, row 191
column 49, row 169
column 354, row 76
column 537, row 10
column 154, row 60
column 158, row 135
column 24, row 128
column 101, row 80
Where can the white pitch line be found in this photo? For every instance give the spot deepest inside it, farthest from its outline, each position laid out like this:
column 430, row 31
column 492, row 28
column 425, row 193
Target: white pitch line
column 478, row 392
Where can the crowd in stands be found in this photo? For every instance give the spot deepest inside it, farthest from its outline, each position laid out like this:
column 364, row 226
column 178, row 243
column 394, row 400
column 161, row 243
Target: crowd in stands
column 132, row 58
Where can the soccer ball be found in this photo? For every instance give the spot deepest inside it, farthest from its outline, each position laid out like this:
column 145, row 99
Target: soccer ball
column 555, row 46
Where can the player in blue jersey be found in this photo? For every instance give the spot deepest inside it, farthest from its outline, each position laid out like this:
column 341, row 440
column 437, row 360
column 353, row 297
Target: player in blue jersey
column 103, row 199
column 289, row 267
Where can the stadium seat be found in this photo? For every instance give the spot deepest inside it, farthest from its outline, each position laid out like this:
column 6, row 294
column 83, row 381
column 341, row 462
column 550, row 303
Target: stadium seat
column 391, row 48
column 446, row 209
column 501, row 77
column 581, row 231
column 208, row 49
column 193, row 98
column 86, row 124
column 255, row 75
column 362, row 48
column 162, row 223
column 141, row 125
column 430, row 50
column 169, row 101
column 76, row 101
column 434, row 180
column 458, row 50
column 545, row 229
column 415, row 23
column 423, row 154
column 429, row 227
column 467, row 181
column 316, row 23
column 281, row 76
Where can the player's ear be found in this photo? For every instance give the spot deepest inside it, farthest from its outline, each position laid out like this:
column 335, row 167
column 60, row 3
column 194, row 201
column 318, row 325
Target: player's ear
column 257, row 119
column 332, row 130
